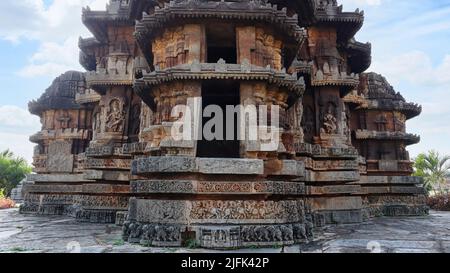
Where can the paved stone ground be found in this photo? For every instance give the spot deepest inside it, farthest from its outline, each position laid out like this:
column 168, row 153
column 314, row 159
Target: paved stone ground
column 31, row 234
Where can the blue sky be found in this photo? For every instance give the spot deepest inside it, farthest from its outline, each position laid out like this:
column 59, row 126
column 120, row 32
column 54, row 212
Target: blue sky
column 410, row 40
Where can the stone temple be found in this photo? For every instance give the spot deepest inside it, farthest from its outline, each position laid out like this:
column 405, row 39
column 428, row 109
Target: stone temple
column 106, row 152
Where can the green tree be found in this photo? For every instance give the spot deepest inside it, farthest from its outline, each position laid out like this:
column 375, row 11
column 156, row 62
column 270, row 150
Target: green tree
column 435, row 170
column 12, row 170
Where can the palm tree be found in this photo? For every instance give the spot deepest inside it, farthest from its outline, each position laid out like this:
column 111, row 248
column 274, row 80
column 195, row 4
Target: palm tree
column 434, row 169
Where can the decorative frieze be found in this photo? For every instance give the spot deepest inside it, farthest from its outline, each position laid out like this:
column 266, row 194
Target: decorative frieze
column 217, row 187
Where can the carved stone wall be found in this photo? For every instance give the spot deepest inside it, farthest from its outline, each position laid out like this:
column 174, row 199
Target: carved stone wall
column 179, row 45
column 259, row 46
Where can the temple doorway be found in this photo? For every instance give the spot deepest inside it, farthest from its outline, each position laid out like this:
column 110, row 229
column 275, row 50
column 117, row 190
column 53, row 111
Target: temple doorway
column 221, row 43
column 222, row 94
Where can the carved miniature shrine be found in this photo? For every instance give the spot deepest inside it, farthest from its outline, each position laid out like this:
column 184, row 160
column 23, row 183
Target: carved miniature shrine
column 107, row 152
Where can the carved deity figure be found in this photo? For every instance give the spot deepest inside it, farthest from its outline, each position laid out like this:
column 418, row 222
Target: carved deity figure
column 97, row 123
column 329, row 122
column 115, row 116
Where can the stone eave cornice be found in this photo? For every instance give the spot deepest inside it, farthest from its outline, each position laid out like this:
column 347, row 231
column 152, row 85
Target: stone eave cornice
column 411, row 110
column 357, row 99
column 86, row 43
column 37, row 107
column 345, row 80
column 98, row 21
column 347, row 23
column 70, row 133
column 99, row 80
column 138, row 6
column 410, row 139
column 301, row 67
column 197, row 10
column 90, row 96
column 360, row 55
column 223, row 71
column 87, row 56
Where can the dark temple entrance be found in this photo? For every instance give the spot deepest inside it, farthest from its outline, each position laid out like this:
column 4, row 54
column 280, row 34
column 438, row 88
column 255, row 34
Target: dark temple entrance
column 221, row 43
column 220, row 93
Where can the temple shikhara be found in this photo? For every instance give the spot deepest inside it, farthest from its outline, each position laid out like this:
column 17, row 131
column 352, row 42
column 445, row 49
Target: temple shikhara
column 107, row 154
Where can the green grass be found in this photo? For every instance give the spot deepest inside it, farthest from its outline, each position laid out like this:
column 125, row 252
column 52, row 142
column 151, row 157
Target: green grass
column 192, row 244
column 18, row 249
column 119, row 242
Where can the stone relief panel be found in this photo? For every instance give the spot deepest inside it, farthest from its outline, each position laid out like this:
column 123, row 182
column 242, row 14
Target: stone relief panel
column 161, row 211
column 267, row 50
column 244, row 211
column 115, row 115
column 329, row 117
column 172, row 47
column 60, row 158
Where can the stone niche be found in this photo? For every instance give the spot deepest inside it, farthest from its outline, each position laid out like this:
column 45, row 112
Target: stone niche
column 110, row 118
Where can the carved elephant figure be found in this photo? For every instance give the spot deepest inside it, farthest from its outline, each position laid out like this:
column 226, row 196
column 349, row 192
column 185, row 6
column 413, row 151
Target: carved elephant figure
column 247, row 234
column 309, row 227
column 147, row 234
column 300, row 232
column 160, row 234
column 288, row 233
column 262, row 234
column 173, row 234
column 275, row 233
column 135, row 232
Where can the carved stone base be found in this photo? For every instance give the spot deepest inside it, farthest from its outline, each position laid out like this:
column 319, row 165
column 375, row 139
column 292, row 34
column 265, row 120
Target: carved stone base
column 97, row 216
column 217, row 237
column 396, row 206
column 338, row 217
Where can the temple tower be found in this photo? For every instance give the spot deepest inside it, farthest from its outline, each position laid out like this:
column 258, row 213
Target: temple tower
column 109, row 59
column 220, row 193
column 66, row 131
column 223, row 124
column 378, row 122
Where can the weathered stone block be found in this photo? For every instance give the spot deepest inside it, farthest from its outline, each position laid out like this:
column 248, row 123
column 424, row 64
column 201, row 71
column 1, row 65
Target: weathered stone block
column 165, row 165
column 161, row 211
column 342, row 176
column 230, row 166
column 335, row 203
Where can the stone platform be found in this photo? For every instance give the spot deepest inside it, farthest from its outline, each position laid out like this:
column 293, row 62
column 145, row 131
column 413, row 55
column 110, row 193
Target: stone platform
column 32, row 234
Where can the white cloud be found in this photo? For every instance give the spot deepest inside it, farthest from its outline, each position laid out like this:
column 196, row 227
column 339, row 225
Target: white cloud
column 13, row 116
column 19, row 144
column 56, row 26
column 415, row 67
column 17, row 125
column 52, row 59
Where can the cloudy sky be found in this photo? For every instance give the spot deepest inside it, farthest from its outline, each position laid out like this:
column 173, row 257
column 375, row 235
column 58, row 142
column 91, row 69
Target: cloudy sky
column 410, row 39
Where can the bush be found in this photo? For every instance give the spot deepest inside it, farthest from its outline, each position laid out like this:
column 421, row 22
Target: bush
column 12, row 170
column 6, row 203
column 439, row 202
